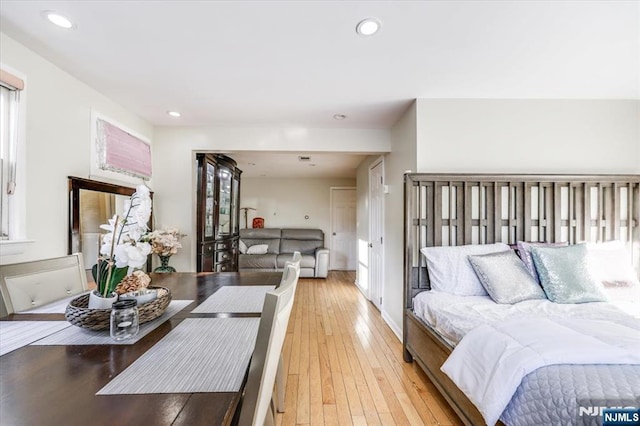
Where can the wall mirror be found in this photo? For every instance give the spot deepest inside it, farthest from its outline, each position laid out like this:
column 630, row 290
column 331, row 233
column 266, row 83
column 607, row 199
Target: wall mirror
column 91, row 204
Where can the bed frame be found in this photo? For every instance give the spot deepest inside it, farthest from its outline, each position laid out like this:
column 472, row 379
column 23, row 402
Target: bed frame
column 457, row 209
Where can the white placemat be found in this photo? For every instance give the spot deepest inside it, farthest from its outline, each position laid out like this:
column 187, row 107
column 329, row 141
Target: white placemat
column 235, row 299
column 199, row 355
column 80, row 336
column 16, row 334
column 57, row 307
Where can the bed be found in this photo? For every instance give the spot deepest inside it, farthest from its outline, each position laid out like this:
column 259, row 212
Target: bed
column 457, row 210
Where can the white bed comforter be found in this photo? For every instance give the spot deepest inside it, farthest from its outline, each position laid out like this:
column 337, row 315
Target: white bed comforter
column 491, row 360
column 454, row 316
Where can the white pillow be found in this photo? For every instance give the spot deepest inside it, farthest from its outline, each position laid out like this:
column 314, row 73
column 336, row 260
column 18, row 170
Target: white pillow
column 450, row 270
column 258, row 249
column 242, row 247
column 610, row 264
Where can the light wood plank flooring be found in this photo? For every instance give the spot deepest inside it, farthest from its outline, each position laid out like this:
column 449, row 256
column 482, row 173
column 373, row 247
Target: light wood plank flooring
column 345, row 365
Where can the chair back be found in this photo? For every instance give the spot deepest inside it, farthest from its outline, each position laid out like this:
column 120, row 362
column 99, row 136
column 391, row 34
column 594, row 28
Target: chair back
column 27, row 285
column 294, row 263
column 266, row 355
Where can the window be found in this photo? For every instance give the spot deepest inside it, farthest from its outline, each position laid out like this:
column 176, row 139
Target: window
column 10, row 89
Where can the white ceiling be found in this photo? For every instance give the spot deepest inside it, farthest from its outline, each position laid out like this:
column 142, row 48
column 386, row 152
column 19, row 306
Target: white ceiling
column 297, row 63
column 287, row 165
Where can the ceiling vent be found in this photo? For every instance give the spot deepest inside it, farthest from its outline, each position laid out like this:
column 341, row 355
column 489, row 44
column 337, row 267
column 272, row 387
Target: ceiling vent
column 304, row 158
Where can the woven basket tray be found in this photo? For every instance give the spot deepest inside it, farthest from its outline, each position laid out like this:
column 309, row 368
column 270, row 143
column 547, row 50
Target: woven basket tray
column 79, row 314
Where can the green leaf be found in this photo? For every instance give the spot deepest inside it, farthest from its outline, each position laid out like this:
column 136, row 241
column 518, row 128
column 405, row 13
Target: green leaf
column 100, row 272
column 94, row 272
column 116, row 276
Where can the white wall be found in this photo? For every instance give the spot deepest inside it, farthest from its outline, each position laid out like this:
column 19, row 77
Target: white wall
column 401, row 159
column 284, row 203
column 58, row 138
column 536, row 136
column 174, row 165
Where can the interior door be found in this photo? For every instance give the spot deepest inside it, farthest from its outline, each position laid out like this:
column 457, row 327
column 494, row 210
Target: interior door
column 376, row 228
column 343, row 229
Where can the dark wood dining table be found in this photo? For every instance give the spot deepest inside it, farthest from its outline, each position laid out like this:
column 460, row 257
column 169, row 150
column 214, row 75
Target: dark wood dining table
column 57, row 385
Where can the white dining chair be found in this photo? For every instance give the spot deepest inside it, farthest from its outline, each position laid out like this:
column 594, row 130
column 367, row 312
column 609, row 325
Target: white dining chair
column 257, row 403
column 28, row 285
column 295, row 262
column 291, row 267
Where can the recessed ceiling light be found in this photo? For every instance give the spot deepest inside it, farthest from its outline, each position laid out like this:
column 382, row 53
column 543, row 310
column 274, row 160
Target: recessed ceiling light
column 368, row 26
column 174, row 114
column 339, row 116
column 58, row 19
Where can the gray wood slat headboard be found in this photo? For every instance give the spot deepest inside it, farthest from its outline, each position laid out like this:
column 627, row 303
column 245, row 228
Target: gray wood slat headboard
column 457, row 209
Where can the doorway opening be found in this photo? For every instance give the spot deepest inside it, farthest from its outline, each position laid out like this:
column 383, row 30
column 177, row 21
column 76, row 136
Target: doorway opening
column 342, row 241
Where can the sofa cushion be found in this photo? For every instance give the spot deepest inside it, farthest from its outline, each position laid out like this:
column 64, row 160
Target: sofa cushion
column 303, row 234
column 306, row 241
column 307, row 273
column 260, row 233
column 303, row 246
column 307, row 261
column 268, row 236
column 257, row 261
column 273, row 246
column 258, row 249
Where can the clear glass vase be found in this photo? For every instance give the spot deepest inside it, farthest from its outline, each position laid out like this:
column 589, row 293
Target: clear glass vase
column 164, row 265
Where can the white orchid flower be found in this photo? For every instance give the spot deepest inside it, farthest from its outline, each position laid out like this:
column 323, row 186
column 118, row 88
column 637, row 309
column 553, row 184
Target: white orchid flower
column 113, row 223
column 105, row 248
column 134, row 234
column 122, row 246
column 141, row 215
column 132, row 256
column 143, row 191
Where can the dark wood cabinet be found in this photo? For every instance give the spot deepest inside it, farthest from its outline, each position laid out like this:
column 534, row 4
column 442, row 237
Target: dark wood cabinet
column 218, row 213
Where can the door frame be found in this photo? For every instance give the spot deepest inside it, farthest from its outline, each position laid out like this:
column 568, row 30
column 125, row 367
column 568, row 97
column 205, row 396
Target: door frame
column 380, row 161
column 331, row 189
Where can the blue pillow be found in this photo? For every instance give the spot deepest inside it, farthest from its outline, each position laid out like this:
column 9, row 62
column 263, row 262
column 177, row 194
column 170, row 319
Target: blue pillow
column 564, row 274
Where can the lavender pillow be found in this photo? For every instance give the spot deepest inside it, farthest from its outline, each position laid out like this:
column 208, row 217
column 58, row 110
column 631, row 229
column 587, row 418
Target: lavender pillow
column 524, row 248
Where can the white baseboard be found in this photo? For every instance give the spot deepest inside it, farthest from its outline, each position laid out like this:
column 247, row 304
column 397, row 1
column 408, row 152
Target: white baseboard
column 366, row 296
column 392, row 325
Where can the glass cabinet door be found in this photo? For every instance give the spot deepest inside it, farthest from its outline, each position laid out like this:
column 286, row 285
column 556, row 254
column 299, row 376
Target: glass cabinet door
column 224, row 217
column 209, row 210
column 235, row 195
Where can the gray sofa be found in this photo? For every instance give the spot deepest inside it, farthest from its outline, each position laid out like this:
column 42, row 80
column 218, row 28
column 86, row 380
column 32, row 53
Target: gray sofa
column 281, row 245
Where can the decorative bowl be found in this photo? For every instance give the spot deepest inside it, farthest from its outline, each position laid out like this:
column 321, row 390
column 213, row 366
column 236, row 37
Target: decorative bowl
column 80, row 315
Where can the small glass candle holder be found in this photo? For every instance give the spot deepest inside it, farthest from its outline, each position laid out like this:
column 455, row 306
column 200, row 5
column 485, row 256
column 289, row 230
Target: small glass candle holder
column 124, row 319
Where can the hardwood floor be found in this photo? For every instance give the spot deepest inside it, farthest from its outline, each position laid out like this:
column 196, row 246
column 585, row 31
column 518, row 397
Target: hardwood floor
column 345, row 365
